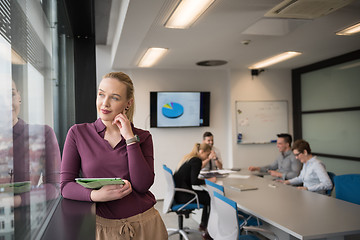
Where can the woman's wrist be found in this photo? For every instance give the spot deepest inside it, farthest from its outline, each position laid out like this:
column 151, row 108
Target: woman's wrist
column 93, row 195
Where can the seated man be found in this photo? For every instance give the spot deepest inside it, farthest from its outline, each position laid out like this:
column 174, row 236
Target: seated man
column 286, row 165
column 214, row 160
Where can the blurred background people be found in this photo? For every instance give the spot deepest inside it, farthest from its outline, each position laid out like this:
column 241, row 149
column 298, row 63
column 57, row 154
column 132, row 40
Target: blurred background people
column 286, row 166
column 313, row 175
column 214, row 160
column 186, row 176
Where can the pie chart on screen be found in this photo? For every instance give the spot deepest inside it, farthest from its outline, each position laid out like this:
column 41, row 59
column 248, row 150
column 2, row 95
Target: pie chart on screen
column 172, row 110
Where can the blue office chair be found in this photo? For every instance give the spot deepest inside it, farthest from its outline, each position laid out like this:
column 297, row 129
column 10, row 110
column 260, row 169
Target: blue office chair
column 347, row 187
column 244, row 219
column 183, row 209
column 331, row 176
column 228, row 222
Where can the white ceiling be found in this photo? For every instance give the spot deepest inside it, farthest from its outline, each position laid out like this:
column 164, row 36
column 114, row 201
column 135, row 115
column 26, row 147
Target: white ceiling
column 218, row 34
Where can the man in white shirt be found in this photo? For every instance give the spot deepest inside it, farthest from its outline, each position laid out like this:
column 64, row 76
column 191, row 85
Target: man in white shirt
column 214, row 160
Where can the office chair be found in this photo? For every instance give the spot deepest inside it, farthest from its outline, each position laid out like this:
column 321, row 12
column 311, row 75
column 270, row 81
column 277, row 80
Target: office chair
column 331, row 175
column 244, row 219
column 183, row 209
column 213, row 217
column 347, row 187
column 228, row 222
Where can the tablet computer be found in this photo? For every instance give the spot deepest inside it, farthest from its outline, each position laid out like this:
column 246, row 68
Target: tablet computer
column 96, row 183
column 16, row 187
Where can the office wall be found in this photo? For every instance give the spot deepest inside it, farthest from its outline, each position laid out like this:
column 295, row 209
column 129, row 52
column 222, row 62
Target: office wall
column 269, row 85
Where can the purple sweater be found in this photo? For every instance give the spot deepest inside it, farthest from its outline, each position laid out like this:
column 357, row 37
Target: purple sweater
column 86, row 151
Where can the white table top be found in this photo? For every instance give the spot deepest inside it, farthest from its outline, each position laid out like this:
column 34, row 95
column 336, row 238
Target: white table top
column 302, row 214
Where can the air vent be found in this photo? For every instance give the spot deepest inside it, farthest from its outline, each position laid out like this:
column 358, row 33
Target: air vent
column 306, row 9
column 211, row 63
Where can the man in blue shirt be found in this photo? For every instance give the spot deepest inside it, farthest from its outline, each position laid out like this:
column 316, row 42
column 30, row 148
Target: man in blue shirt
column 286, row 166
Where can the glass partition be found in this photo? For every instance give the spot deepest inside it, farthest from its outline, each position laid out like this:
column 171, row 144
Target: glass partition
column 327, row 106
column 332, row 87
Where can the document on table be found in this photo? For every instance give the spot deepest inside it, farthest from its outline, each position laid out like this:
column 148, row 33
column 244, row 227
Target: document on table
column 243, row 187
column 238, row 176
column 215, row 173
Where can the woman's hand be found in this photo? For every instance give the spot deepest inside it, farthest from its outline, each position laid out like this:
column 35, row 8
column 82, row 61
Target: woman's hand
column 287, row 182
column 302, row 188
column 111, row 192
column 124, row 125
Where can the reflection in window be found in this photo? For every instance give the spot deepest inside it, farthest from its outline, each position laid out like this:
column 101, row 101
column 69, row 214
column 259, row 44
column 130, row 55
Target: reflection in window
column 29, row 150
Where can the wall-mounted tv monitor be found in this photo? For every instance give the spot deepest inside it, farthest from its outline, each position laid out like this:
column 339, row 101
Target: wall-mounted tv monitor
column 179, row 109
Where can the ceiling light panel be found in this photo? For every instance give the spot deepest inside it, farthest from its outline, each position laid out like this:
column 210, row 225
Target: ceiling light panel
column 354, row 29
column 152, row 56
column 187, row 12
column 274, row 60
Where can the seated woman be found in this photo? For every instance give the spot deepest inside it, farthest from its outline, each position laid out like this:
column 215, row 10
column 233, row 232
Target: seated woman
column 186, row 175
column 313, row 175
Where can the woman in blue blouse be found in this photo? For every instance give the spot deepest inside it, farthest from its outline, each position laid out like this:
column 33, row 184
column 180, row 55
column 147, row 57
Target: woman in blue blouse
column 313, row 175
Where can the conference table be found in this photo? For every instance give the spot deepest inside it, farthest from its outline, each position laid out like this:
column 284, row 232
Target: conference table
column 298, row 213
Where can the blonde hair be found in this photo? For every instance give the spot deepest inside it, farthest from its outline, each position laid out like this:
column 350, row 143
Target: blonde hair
column 194, row 153
column 124, row 78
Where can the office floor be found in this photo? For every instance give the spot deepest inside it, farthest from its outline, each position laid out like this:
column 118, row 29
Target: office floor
column 171, row 221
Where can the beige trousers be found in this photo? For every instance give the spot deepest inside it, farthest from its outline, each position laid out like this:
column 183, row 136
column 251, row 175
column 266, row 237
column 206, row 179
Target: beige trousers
column 147, row 225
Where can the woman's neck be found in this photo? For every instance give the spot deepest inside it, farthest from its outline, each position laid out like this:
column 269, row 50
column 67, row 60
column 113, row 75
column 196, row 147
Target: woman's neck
column 110, row 128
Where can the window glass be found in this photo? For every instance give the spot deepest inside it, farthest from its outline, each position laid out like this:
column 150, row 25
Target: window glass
column 332, row 87
column 29, row 109
column 333, row 133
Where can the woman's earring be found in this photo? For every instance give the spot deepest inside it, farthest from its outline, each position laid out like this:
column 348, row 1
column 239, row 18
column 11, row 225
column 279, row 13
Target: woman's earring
column 127, row 108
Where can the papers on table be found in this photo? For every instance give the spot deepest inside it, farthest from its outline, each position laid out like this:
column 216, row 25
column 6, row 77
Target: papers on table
column 238, row 176
column 243, row 187
column 215, row 173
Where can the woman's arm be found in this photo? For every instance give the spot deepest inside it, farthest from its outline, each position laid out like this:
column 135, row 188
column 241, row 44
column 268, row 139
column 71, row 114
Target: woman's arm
column 141, row 163
column 70, row 168
column 195, row 164
column 111, row 192
column 297, row 180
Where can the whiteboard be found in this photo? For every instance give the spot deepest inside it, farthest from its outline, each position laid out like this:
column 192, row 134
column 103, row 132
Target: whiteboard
column 261, row 121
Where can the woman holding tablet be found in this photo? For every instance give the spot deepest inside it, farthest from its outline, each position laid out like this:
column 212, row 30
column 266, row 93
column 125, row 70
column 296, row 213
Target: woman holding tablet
column 111, row 147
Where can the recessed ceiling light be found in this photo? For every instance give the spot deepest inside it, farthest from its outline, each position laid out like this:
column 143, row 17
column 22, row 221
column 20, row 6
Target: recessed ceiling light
column 354, row 29
column 275, row 59
column 152, row 56
column 187, row 12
